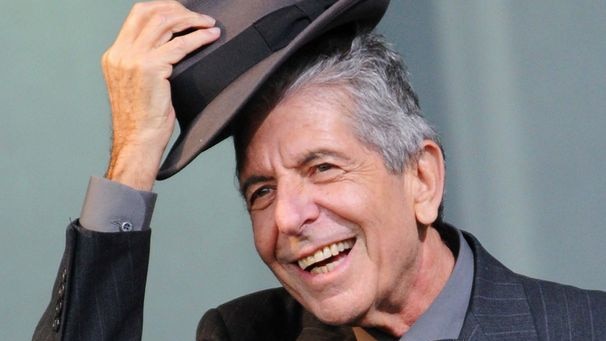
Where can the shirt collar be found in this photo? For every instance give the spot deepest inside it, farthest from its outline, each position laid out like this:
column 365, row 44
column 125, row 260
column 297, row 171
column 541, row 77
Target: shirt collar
column 445, row 316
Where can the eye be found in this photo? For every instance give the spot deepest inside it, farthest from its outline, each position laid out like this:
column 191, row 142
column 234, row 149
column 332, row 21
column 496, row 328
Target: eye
column 258, row 194
column 323, row 167
column 325, row 172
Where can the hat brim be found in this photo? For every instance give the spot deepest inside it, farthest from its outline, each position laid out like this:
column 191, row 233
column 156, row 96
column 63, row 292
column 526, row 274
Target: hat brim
column 210, row 126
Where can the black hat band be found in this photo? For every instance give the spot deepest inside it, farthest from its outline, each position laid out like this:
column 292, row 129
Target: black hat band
column 193, row 90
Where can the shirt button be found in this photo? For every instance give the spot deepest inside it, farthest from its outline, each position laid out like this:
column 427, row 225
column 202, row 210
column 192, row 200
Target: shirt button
column 126, row 226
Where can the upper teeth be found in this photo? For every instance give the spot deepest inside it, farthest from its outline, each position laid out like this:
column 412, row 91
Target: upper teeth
column 325, row 253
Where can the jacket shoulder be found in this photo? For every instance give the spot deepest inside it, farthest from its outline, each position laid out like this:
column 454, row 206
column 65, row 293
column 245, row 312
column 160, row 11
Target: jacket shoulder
column 265, row 315
column 564, row 310
column 552, row 310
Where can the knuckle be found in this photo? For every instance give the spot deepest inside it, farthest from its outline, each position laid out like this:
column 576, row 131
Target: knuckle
column 108, row 58
column 164, row 4
column 147, row 7
column 174, row 4
column 158, row 12
column 104, row 60
column 165, row 70
column 180, row 43
column 140, row 7
column 159, row 19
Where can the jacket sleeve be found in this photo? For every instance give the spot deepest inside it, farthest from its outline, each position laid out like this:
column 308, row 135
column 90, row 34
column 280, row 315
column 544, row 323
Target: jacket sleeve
column 212, row 327
column 100, row 287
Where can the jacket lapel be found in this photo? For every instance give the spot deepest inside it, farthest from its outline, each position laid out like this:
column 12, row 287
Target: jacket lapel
column 498, row 309
column 499, row 306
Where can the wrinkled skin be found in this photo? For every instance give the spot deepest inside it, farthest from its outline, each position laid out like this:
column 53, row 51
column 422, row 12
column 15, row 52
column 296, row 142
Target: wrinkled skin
column 309, row 183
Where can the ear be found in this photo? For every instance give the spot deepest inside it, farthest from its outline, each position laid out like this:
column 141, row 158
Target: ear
column 428, row 186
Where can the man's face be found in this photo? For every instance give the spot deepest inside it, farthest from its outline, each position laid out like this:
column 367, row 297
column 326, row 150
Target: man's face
column 333, row 224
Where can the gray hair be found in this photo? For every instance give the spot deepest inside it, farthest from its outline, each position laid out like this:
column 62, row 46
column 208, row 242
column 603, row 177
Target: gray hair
column 386, row 116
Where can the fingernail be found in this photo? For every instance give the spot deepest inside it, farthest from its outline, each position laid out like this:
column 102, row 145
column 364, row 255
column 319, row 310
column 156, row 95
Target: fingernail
column 215, row 30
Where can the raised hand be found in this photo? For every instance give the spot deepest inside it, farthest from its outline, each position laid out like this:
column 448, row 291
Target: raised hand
column 136, row 69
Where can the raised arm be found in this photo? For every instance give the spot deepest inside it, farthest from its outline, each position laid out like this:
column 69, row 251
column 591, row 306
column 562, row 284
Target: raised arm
column 136, row 69
column 100, row 286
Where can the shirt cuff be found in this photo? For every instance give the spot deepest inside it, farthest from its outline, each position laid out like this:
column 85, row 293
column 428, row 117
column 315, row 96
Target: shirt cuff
column 112, row 207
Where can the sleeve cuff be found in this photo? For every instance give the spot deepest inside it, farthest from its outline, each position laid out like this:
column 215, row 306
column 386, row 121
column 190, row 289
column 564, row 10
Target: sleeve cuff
column 112, row 207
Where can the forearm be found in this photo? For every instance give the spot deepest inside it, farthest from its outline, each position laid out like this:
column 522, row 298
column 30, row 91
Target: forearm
column 99, row 290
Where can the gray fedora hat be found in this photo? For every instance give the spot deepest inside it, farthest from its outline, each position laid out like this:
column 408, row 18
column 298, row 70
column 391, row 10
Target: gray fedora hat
column 212, row 84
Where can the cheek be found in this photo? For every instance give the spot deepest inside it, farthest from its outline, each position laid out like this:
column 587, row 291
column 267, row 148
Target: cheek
column 265, row 236
column 346, row 199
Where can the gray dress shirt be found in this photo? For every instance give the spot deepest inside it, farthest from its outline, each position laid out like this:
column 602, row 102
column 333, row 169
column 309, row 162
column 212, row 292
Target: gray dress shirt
column 445, row 316
column 113, row 207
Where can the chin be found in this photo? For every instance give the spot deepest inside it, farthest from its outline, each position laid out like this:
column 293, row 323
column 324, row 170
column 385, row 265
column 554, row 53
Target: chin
column 344, row 312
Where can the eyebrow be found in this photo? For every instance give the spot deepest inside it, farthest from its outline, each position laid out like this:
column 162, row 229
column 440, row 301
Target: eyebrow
column 255, row 179
column 304, row 160
column 314, row 155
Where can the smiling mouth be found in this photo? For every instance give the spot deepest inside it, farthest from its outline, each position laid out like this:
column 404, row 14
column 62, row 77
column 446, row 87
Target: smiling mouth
column 324, row 259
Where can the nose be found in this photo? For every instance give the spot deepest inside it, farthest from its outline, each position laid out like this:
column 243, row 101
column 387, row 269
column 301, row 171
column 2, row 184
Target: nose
column 294, row 207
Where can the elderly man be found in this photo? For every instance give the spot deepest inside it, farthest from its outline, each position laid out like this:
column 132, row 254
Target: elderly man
column 343, row 180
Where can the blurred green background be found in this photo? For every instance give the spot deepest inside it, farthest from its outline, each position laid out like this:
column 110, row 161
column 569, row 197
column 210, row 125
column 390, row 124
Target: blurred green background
column 517, row 90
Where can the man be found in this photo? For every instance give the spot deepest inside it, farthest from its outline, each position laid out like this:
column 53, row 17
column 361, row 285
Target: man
column 343, row 180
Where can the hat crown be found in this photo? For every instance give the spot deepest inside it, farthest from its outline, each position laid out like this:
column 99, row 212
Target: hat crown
column 212, row 84
column 233, row 17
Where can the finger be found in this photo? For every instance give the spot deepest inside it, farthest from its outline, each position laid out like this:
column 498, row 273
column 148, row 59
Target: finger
column 135, row 21
column 144, row 13
column 161, row 28
column 174, row 50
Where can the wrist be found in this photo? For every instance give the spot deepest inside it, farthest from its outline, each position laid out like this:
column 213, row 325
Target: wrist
column 134, row 167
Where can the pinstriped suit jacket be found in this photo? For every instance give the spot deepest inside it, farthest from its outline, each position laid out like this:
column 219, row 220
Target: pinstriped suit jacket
column 94, row 299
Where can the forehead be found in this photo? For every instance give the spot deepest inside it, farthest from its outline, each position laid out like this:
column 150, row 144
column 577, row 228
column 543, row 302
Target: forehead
column 311, row 103
column 310, row 115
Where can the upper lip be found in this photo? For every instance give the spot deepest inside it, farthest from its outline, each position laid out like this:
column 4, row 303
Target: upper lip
column 324, row 252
